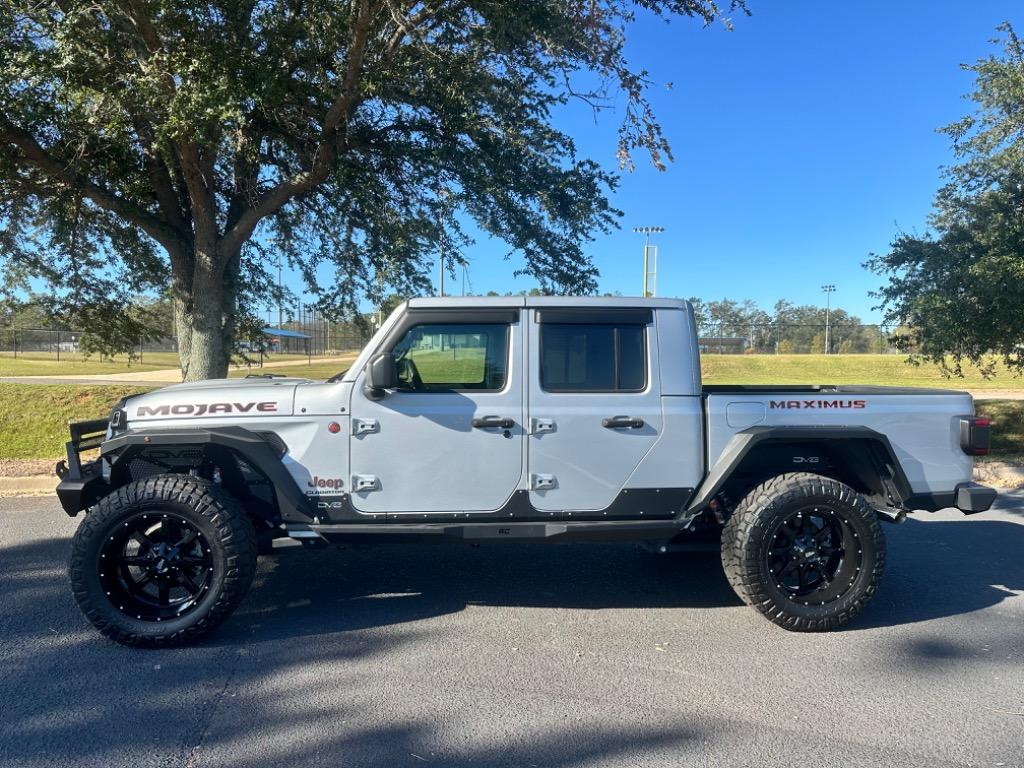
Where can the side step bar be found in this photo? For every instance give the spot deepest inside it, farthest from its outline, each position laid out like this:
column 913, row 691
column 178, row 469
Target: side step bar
column 491, row 531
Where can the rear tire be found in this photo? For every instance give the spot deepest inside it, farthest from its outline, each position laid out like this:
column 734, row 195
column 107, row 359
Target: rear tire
column 162, row 561
column 804, row 550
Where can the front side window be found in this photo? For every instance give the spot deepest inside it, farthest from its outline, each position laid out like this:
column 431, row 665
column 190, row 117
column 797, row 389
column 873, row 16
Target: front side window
column 450, row 356
column 593, row 358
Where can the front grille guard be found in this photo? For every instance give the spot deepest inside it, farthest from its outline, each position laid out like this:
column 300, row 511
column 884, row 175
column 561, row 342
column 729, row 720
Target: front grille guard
column 85, row 436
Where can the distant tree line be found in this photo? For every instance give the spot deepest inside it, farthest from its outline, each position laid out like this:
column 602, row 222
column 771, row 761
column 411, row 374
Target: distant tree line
column 788, row 328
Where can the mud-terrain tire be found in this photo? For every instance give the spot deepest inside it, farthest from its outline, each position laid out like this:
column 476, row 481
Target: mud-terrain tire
column 162, row 561
column 804, row 550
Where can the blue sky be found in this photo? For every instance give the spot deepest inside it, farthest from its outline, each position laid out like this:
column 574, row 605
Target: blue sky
column 804, row 139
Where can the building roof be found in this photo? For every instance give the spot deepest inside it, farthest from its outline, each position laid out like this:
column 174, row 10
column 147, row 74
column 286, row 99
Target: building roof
column 284, row 334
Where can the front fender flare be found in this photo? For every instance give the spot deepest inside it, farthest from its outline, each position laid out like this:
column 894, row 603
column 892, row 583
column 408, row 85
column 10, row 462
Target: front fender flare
column 257, row 451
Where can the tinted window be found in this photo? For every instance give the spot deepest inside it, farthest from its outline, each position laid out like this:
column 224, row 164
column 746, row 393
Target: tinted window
column 452, row 356
column 592, row 358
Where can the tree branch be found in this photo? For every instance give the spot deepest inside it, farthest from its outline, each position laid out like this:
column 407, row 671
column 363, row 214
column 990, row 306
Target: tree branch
column 35, row 156
column 323, row 158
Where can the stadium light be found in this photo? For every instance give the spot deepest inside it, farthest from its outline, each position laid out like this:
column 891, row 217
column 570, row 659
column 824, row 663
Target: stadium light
column 650, row 258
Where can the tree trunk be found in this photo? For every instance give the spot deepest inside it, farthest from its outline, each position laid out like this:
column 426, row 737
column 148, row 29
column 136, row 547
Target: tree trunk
column 203, row 311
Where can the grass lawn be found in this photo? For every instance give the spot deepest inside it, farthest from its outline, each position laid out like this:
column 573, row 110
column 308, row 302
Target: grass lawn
column 317, row 370
column 843, row 369
column 47, row 364
column 34, row 417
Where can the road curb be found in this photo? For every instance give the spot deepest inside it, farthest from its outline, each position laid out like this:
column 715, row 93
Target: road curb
column 33, row 485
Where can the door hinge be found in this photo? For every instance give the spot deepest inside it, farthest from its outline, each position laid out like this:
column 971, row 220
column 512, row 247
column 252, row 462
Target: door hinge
column 364, row 426
column 542, row 425
column 543, row 482
column 365, row 483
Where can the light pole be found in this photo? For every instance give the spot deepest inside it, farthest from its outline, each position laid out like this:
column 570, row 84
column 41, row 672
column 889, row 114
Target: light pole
column 440, row 262
column 280, row 309
column 648, row 253
column 829, row 290
column 442, row 199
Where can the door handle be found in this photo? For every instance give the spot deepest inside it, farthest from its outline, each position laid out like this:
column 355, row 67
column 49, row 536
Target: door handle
column 622, row 422
column 493, row 422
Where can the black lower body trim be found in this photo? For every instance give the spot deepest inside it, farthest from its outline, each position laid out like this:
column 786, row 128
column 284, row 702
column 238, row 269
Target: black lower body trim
column 630, row 504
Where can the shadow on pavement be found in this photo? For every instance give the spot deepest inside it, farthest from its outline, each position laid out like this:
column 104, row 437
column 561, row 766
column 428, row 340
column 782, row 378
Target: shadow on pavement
column 323, row 591
column 946, row 568
column 61, row 687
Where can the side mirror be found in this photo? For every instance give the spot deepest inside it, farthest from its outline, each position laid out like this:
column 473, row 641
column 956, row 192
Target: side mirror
column 381, row 374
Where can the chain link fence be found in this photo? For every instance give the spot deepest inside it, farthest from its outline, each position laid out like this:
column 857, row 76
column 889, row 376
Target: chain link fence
column 294, row 341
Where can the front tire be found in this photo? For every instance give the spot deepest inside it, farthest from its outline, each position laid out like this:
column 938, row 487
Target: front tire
column 162, row 561
column 804, row 550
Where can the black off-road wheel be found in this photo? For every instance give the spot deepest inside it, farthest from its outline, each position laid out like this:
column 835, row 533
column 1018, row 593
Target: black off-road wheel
column 804, row 550
column 162, row 561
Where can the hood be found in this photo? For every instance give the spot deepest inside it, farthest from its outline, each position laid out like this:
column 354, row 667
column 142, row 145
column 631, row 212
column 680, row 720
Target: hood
column 217, row 398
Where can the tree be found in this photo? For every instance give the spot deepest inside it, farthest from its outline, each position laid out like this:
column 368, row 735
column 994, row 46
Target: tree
column 700, row 315
column 957, row 291
column 188, row 144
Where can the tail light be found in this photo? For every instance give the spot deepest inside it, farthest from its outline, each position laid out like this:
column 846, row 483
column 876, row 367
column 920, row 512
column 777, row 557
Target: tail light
column 975, row 435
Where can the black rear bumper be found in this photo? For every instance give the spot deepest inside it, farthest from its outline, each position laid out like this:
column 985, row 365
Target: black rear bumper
column 972, row 497
column 969, row 498
column 81, row 483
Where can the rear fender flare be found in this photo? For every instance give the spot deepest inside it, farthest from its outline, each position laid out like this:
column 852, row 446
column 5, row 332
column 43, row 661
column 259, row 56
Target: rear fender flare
column 883, row 459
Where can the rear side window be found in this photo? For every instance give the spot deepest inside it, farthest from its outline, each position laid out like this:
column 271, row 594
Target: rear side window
column 593, row 358
column 444, row 357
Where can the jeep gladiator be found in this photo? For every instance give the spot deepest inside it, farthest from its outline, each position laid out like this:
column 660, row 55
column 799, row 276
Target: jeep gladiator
column 508, row 419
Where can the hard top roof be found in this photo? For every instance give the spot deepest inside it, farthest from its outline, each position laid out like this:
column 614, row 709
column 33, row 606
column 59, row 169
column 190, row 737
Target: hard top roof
column 582, row 302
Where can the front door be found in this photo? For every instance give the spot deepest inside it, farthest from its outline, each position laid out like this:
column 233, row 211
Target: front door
column 449, row 437
column 594, row 406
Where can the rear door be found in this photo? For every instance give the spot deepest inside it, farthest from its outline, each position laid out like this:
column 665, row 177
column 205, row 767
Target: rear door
column 594, row 404
column 450, row 437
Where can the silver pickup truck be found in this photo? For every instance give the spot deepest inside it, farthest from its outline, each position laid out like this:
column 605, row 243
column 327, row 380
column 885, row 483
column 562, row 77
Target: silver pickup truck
column 508, row 419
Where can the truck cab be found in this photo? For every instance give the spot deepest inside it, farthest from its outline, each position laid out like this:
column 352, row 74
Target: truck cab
column 520, row 408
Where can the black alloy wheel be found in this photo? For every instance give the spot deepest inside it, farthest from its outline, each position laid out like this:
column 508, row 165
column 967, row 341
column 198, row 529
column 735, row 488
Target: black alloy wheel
column 814, row 555
column 156, row 566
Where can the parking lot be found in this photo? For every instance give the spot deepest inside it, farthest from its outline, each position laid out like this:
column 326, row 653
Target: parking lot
column 526, row 655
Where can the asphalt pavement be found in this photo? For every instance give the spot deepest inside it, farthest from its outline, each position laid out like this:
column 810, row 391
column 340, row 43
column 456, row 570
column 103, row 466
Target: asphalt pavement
column 526, row 655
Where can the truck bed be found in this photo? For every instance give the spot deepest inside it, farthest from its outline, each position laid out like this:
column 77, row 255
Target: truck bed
column 922, row 425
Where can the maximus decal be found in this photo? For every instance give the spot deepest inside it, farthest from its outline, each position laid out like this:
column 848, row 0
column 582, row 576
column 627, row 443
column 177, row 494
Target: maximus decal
column 205, row 409
column 818, row 404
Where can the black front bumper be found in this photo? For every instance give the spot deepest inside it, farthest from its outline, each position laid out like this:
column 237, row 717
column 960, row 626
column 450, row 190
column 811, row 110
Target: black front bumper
column 81, row 483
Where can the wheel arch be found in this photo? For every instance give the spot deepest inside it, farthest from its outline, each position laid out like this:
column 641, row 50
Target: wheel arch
column 860, row 457
column 234, row 450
